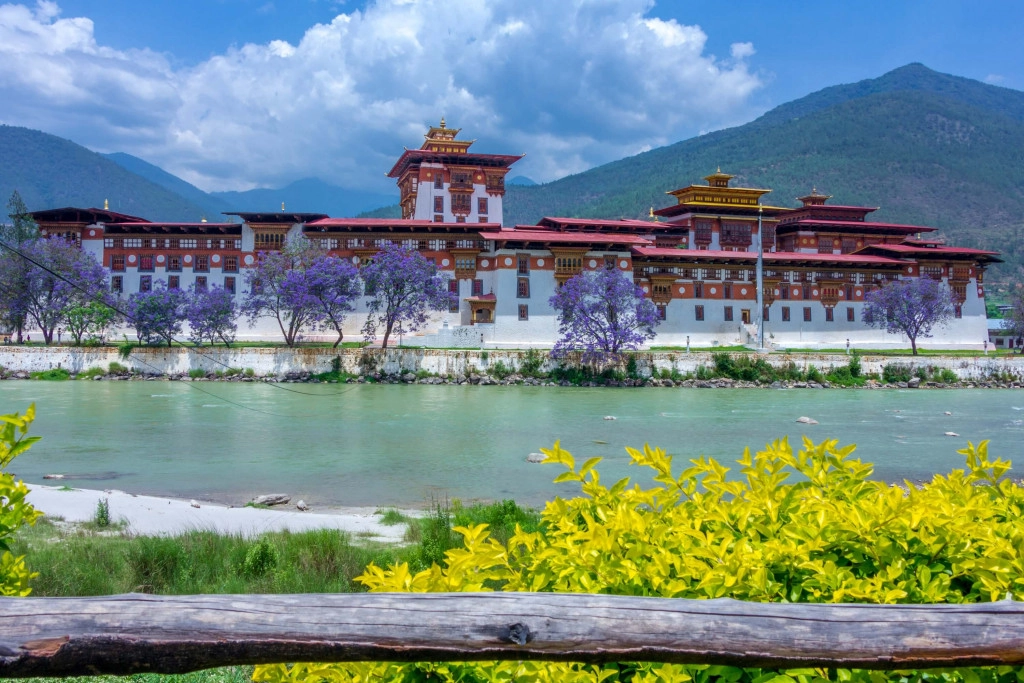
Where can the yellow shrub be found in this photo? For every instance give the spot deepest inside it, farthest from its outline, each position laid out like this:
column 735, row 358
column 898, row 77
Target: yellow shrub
column 799, row 527
column 15, row 511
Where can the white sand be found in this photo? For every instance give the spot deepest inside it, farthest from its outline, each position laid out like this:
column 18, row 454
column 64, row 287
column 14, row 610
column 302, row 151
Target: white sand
column 151, row 516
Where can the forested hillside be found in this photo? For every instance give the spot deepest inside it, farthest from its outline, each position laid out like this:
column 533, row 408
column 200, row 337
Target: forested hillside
column 926, row 147
column 52, row 172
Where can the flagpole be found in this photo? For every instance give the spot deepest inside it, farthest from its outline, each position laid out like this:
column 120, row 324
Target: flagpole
column 760, row 279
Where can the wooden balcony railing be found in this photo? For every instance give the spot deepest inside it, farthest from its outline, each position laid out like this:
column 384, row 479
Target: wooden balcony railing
column 171, row 634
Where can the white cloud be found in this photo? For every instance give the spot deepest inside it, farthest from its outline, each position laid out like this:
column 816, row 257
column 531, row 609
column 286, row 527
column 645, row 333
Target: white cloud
column 994, row 79
column 572, row 83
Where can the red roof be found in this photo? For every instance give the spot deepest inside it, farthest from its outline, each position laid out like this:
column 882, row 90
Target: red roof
column 393, row 222
column 554, row 222
column 178, row 225
column 916, row 250
column 411, row 156
column 530, row 234
column 769, row 257
column 857, row 225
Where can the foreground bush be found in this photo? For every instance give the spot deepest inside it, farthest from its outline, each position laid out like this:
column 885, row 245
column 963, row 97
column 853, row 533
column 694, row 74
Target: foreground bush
column 832, row 535
column 15, row 512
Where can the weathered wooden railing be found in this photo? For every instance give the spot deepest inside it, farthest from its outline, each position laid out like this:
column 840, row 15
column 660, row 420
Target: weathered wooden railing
column 134, row 633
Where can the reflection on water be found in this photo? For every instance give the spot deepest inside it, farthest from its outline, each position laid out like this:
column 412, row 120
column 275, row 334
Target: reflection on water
column 403, row 445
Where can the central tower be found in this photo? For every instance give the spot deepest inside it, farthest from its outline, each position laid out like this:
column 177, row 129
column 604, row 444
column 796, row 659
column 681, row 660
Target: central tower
column 444, row 182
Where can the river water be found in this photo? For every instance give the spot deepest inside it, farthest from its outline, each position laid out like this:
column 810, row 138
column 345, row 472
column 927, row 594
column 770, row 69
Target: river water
column 404, row 445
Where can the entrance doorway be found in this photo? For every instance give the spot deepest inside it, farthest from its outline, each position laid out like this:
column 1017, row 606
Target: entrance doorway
column 745, row 315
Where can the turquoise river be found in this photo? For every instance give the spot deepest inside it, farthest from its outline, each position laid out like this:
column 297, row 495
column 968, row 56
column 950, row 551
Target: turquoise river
column 405, row 445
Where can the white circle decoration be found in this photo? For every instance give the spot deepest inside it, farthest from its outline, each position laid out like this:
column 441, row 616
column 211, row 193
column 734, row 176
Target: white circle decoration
column 645, row 289
column 485, row 263
column 92, row 233
column 160, row 258
column 840, row 294
column 857, row 292
column 743, row 291
column 355, row 259
column 131, row 258
column 623, row 264
column 249, row 259
column 187, row 259
column 540, row 263
column 712, row 290
column 796, row 291
column 776, row 292
column 814, row 292
column 215, row 258
column 593, row 263
column 508, row 261
column 444, row 262
column 910, row 269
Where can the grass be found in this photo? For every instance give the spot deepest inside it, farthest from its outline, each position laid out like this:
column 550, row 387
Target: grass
column 228, row 674
column 54, row 375
column 90, row 373
column 957, row 353
column 392, row 517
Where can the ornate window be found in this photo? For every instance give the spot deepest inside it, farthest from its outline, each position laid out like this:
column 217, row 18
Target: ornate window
column 173, row 282
column 230, row 264
column 785, row 314
column 728, row 314
column 117, row 262
column 698, row 312
column 524, row 311
column 117, row 284
column 146, row 263
column 201, row 283
column 202, row 264
column 438, row 204
column 523, row 288
column 807, row 314
column 481, row 206
column 229, row 284
column 523, row 263
column 453, row 289
column 146, row 283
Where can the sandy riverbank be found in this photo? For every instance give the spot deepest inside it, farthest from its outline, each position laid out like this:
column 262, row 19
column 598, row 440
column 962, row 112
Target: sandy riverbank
column 151, row 516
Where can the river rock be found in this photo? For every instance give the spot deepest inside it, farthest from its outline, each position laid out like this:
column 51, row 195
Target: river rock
column 301, row 505
column 951, row 434
column 610, row 417
column 535, row 457
column 193, row 503
column 272, row 499
column 914, row 383
column 803, row 419
column 53, row 476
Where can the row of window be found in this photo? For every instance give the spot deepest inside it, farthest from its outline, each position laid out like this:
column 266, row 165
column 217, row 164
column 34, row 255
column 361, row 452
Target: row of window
column 728, row 314
column 170, row 243
column 461, row 204
column 173, row 282
column 147, row 263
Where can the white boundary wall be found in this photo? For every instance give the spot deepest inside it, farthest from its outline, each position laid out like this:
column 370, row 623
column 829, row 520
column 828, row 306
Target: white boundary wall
column 278, row 361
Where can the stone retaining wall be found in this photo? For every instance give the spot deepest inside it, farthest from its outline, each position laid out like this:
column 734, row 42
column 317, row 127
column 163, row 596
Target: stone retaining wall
column 279, row 361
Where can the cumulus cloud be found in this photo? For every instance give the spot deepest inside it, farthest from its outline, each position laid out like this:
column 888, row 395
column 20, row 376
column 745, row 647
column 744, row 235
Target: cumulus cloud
column 572, row 83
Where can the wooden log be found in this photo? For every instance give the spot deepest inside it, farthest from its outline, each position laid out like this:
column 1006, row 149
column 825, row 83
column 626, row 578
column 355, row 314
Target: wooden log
column 170, row 634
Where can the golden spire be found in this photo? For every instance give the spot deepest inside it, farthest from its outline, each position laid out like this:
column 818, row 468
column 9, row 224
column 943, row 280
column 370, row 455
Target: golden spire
column 652, row 216
column 442, row 122
column 106, row 205
column 202, row 219
column 282, row 206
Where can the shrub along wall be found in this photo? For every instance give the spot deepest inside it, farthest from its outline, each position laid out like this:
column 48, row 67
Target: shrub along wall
column 279, row 361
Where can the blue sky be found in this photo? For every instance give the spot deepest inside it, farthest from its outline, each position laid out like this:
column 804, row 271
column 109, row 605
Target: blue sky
column 231, row 94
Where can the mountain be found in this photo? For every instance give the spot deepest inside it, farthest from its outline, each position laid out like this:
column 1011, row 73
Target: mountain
column 926, row 147
column 51, row 172
column 522, row 180
column 214, row 206
column 308, row 194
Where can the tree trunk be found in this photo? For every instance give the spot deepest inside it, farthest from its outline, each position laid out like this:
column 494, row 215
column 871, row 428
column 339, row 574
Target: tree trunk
column 387, row 334
column 913, row 345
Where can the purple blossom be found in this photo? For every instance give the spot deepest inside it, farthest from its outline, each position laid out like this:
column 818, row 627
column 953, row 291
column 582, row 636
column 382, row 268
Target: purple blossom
column 65, row 278
column 157, row 314
column 911, row 307
column 405, row 288
column 333, row 287
column 211, row 315
column 602, row 313
column 301, row 287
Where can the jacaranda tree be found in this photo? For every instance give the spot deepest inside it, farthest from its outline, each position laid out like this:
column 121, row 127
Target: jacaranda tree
column 61, row 277
column 211, row 315
column 16, row 233
column 157, row 315
column 405, row 287
column 297, row 287
column 911, row 307
column 334, row 287
column 602, row 313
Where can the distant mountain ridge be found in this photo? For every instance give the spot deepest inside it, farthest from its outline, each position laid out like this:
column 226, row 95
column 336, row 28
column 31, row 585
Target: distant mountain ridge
column 928, row 148
column 308, row 194
column 51, row 172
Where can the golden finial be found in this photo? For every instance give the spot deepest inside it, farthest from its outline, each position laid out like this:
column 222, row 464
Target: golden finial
column 106, row 205
column 282, row 206
column 719, row 170
column 202, row 219
column 442, row 122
